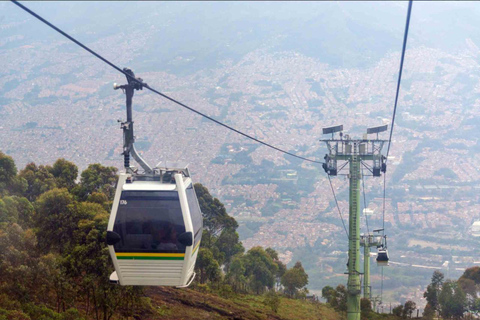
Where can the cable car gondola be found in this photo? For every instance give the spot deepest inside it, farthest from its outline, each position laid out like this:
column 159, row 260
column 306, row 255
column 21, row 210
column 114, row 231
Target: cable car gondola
column 382, row 255
column 155, row 229
column 155, row 225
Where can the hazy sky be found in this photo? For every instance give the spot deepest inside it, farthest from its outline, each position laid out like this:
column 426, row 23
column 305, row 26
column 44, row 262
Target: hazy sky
column 335, row 32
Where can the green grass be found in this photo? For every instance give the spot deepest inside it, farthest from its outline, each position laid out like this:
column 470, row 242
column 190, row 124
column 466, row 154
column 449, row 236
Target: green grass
column 178, row 304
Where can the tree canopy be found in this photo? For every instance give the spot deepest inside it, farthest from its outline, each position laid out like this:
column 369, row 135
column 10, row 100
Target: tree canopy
column 294, row 279
column 54, row 262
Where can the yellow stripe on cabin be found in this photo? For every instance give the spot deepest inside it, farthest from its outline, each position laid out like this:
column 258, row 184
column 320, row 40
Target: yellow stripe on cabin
column 196, row 247
column 149, row 254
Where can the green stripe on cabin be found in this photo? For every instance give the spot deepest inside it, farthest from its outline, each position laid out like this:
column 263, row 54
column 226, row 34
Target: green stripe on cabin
column 149, row 258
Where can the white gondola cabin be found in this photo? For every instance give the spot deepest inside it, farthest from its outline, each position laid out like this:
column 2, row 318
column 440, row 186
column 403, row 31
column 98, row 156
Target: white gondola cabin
column 382, row 254
column 155, row 229
column 382, row 257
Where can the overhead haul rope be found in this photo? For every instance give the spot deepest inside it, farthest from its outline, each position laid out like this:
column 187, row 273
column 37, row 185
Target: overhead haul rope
column 157, row 92
column 405, row 36
column 338, row 207
column 407, row 24
column 383, row 211
column 365, row 203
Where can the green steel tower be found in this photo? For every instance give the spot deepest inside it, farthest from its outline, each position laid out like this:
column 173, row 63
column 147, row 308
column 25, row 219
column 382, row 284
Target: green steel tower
column 367, row 241
column 354, row 153
column 366, row 271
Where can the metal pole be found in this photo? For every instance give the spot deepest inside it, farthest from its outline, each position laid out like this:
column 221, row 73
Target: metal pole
column 353, row 294
column 129, row 90
column 128, row 127
column 128, row 137
column 350, row 151
column 366, row 268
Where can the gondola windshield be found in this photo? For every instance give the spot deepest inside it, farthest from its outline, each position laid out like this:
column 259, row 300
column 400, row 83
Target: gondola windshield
column 149, row 221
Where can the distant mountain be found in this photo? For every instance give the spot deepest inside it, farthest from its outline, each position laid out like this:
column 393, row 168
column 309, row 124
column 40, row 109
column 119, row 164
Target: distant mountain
column 187, row 37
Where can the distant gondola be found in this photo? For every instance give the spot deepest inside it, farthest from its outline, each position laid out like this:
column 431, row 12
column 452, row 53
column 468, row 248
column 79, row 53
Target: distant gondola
column 382, row 257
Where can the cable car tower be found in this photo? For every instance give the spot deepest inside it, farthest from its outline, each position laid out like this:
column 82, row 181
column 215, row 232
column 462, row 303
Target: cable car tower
column 367, row 241
column 354, row 153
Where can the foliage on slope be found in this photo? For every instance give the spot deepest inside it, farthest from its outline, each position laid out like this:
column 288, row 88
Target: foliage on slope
column 194, row 304
column 452, row 299
column 54, row 262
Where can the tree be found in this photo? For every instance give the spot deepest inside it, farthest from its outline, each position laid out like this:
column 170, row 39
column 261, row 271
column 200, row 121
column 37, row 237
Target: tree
column 260, row 269
column 8, row 170
column 294, row 279
column 219, row 233
column 55, row 219
column 468, row 286
column 207, row 267
column 281, row 267
column 215, row 216
column 452, row 300
column 472, row 273
column 428, row 312
column 17, row 186
column 18, row 259
column 26, row 276
column 336, row 298
column 433, row 290
column 341, row 299
column 469, row 282
column 398, row 311
column 236, row 274
column 39, row 180
column 329, row 294
column 63, row 261
column 16, row 209
column 229, row 244
column 97, row 178
column 408, row 308
column 65, row 173
column 10, row 182
column 365, row 308
column 101, row 199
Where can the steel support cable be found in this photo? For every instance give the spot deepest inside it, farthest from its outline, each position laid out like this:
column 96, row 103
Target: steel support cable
column 364, row 203
column 158, row 92
column 381, row 291
column 405, row 36
column 383, row 230
column 338, row 207
column 383, row 211
column 231, row 128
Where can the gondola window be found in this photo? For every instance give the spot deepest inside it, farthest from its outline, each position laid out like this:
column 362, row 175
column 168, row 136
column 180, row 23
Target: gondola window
column 149, row 222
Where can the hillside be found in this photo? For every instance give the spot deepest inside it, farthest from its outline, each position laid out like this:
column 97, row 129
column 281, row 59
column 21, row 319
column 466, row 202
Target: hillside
column 54, row 262
column 55, row 265
column 172, row 303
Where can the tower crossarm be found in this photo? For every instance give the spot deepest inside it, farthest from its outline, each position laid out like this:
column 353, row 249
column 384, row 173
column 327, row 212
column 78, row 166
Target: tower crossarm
column 343, row 150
